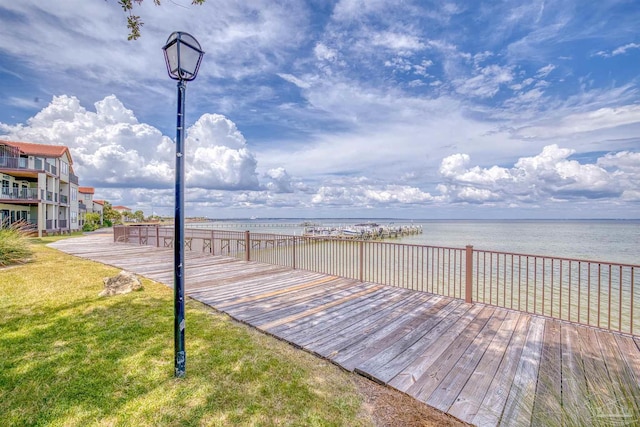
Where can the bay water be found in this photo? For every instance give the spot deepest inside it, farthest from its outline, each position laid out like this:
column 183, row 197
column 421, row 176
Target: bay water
column 615, row 241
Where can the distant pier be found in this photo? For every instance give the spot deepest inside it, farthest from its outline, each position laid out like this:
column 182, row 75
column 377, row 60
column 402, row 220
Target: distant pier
column 363, row 231
column 368, row 231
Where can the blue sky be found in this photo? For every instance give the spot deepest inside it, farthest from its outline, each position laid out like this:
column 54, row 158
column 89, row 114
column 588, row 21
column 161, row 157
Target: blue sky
column 409, row 109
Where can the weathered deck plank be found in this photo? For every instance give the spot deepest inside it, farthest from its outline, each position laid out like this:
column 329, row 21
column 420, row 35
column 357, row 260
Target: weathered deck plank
column 519, row 405
column 485, row 365
column 421, row 319
column 389, row 362
column 340, row 337
column 320, row 327
column 468, row 401
column 495, row 399
column 549, row 391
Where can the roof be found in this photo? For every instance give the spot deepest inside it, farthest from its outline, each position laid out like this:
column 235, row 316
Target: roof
column 121, row 208
column 86, row 190
column 45, row 150
column 99, row 202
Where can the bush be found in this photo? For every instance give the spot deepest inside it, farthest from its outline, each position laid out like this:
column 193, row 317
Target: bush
column 90, row 227
column 14, row 246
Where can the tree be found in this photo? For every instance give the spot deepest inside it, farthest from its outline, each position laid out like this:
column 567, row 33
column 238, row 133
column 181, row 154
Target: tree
column 133, row 21
column 91, row 221
column 110, row 215
column 138, row 216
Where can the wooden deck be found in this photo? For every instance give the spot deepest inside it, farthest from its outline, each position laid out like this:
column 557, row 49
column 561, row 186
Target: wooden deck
column 485, row 365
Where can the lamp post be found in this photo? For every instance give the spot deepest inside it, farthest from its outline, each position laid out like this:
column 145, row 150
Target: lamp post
column 183, row 55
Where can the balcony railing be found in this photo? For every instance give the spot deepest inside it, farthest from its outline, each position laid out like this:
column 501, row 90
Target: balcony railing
column 14, row 162
column 73, row 178
column 20, row 193
column 64, row 199
column 50, row 196
column 594, row 293
column 51, row 168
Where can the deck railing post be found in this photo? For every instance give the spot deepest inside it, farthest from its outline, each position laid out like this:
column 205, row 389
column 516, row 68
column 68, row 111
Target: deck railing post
column 157, row 236
column 361, row 260
column 469, row 276
column 294, row 252
column 247, row 246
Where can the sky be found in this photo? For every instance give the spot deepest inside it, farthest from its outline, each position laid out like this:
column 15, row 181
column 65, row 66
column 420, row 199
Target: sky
column 351, row 108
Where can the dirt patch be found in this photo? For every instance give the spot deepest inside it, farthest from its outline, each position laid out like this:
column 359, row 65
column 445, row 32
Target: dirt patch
column 390, row 408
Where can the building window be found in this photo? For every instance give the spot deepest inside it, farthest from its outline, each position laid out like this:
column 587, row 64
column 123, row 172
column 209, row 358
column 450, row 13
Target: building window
column 74, row 194
column 74, row 217
column 64, row 168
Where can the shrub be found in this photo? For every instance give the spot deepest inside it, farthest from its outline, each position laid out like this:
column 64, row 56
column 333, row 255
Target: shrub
column 89, row 227
column 14, row 246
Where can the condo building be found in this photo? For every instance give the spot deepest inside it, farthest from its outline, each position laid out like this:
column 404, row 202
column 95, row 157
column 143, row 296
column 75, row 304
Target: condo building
column 39, row 187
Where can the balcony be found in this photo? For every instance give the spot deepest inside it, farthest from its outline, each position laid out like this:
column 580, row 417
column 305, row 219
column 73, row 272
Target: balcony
column 73, row 178
column 19, row 193
column 14, row 162
column 64, row 199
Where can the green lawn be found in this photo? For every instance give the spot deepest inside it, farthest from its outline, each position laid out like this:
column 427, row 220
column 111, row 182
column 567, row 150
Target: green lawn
column 70, row 358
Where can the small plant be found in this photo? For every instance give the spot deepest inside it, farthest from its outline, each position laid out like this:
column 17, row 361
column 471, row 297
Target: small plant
column 14, row 246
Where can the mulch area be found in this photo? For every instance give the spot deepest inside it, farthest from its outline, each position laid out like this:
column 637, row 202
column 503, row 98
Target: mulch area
column 390, row 408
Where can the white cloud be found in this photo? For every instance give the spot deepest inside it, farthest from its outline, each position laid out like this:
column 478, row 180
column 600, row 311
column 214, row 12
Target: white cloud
column 390, row 91
column 359, row 193
column 486, row 83
column 623, row 49
column 346, row 10
column 279, row 180
column 296, row 81
column 619, row 50
column 550, row 175
column 323, row 52
column 571, row 124
column 625, row 161
column 111, row 149
column 397, row 41
column 545, row 71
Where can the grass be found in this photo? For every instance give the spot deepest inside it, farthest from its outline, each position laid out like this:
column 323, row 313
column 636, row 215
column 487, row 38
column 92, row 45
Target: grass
column 14, row 246
column 70, row 358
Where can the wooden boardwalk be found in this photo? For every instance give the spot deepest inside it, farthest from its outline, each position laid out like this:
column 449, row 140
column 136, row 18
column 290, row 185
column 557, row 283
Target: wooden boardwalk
column 485, row 365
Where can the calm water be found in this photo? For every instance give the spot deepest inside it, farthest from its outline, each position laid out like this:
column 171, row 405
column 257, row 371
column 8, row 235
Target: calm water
column 603, row 240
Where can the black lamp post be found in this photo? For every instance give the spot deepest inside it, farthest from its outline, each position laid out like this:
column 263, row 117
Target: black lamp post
column 183, row 56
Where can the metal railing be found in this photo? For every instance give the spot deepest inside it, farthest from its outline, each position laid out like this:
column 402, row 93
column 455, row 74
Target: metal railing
column 13, row 162
column 20, row 193
column 594, row 293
